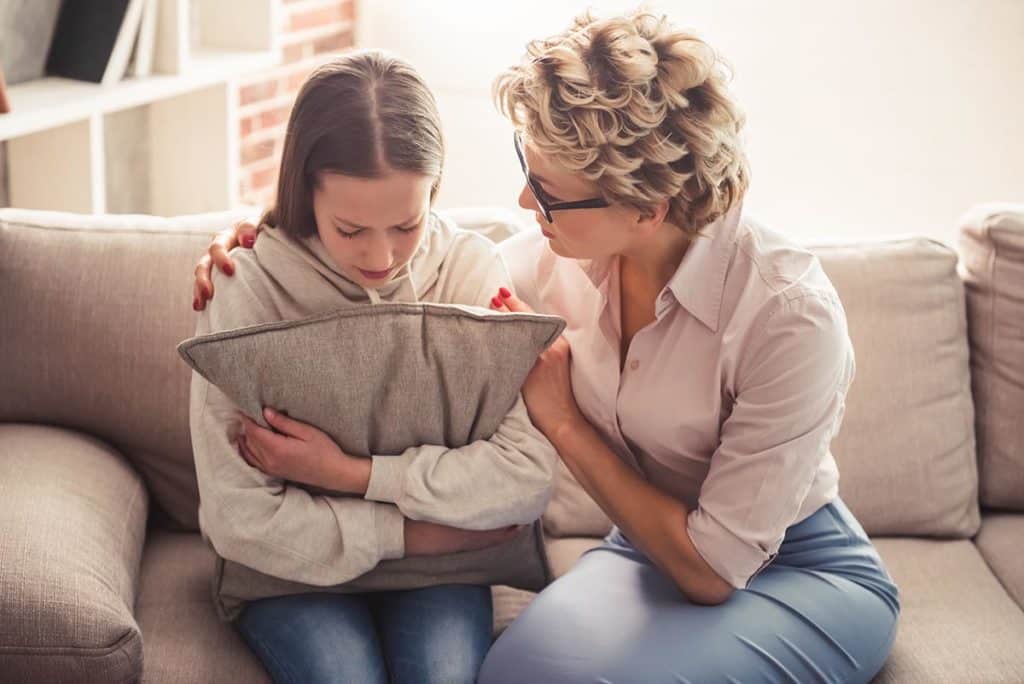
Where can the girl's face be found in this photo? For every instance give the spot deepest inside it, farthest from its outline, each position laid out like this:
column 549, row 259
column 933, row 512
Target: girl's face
column 575, row 233
column 371, row 227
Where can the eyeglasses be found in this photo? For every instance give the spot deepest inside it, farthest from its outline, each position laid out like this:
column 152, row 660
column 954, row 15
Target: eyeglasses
column 546, row 203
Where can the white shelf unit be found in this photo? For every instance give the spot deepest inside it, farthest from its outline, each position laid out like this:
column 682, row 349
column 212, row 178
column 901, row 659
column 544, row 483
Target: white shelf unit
column 170, row 140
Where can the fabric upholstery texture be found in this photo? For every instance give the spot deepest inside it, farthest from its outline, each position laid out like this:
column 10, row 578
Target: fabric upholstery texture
column 71, row 536
column 992, row 263
column 96, row 306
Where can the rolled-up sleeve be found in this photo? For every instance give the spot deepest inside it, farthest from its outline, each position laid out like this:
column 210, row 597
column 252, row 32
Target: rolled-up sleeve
column 791, row 385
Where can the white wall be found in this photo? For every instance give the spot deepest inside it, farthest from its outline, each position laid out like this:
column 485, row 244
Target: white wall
column 864, row 116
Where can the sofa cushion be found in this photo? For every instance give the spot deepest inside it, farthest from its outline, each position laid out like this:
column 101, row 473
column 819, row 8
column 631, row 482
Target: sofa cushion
column 563, row 553
column 185, row 641
column 906, row 447
column 1001, row 542
column 957, row 623
column 72, row 524
column 93, row 308
column 992, row 261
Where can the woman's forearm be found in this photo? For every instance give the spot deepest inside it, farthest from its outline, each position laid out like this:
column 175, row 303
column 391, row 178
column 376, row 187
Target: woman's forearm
column 654, row 521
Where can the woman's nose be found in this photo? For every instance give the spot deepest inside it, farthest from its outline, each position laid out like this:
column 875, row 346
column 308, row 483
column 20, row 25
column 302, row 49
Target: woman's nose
column 527, row 200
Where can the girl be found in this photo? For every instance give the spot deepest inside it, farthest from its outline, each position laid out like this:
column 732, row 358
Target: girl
column 353, row 224
column 695, row 392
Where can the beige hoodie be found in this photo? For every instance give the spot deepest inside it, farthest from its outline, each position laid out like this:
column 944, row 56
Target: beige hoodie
column 287, row 531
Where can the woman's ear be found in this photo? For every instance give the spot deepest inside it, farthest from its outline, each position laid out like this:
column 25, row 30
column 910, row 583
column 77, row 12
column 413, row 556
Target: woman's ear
column 649, row 220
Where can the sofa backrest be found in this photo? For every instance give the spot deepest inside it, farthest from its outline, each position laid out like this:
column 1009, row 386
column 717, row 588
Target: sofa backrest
column 992, row 265
column 93, row 308
column 906, row 449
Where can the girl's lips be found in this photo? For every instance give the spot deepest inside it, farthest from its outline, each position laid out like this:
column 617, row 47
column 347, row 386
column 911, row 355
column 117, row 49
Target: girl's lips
column 375, row 275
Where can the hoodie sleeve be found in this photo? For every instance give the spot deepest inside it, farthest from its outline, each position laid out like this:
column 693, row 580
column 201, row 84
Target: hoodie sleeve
column 263, row 522
column 505, row 480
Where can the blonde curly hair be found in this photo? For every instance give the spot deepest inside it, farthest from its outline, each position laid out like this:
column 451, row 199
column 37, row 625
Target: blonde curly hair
column 638, row 107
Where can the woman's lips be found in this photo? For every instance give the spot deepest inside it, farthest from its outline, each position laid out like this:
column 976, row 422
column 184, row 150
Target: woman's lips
column 375, row 275
column 547, row 234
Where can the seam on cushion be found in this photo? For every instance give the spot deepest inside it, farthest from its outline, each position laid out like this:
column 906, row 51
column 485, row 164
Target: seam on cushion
column 10, row 224
column 419, row 309
column 124, row 536
column 81, row 651
column 967, row 409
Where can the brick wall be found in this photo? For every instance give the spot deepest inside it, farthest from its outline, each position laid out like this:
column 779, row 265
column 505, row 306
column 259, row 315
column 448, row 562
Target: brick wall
column 311, row 32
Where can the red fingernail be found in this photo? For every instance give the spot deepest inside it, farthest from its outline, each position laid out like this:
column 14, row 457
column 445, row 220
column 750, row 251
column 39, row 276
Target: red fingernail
column 495, row 302
column 505, row 293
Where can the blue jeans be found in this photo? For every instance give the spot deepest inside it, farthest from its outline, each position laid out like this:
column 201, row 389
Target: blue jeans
column 825, row 610
column 438, row 634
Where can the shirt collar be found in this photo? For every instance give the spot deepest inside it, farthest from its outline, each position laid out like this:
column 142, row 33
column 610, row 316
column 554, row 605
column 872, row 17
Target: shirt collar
column 699, row 282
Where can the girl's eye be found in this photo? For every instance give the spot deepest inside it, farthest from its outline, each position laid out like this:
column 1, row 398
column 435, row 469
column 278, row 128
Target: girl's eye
column 408, row 230
column 348, row 235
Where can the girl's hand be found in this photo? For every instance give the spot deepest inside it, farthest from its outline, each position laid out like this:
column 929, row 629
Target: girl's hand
column 424, row 538
column 300, row 452
column 548, row 388
column 242, row 233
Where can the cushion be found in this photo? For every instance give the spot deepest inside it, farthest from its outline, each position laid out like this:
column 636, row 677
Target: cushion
column 999, row 541
column 93, row 307
column 186, row 642
column 72, row 525
column 906, row 446
column 992, row 252
column 957, row 623
column 406, row 374
column 572, row 511
column 563, row 553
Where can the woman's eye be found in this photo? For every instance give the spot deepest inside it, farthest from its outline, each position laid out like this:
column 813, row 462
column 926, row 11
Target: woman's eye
column 348, row 235
column 411, row 229
column 548, row 197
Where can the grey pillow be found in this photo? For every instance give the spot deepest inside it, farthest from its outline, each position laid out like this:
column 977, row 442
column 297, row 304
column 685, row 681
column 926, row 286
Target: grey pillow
column 379, row 379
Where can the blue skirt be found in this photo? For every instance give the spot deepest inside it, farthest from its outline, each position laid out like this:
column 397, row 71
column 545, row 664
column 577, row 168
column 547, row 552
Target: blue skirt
column 824, row 610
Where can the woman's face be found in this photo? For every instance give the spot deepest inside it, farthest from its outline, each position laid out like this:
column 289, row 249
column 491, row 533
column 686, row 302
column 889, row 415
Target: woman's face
column 575, row 233
column 371, row 227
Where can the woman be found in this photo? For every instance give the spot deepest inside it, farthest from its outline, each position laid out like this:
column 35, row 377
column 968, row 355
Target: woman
column 353, row 226
column 696, row 390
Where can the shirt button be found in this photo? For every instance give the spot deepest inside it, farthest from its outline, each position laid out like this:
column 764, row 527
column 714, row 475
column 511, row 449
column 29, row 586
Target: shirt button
column 634, row 365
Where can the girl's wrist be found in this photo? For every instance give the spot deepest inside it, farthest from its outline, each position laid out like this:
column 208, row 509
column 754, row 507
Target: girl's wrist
column 349, row 475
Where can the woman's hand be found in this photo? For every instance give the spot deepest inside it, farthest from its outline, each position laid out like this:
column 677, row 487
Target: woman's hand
column 300, row 452
column 242, row 233
column 548, row 388
column 424, row 538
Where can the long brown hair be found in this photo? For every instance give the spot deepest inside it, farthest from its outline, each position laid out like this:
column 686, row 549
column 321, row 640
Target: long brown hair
column 362, row 114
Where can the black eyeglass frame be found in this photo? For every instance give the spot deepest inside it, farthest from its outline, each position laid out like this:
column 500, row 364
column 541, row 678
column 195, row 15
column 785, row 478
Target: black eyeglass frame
column 538, row 192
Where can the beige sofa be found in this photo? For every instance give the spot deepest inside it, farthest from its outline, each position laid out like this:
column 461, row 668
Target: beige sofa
column 103, row 577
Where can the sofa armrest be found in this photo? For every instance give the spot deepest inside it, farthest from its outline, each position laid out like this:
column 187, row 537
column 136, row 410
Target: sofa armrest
column 73, row 522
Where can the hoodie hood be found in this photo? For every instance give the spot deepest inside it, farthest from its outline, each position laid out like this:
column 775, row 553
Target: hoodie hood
column 307, row 275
